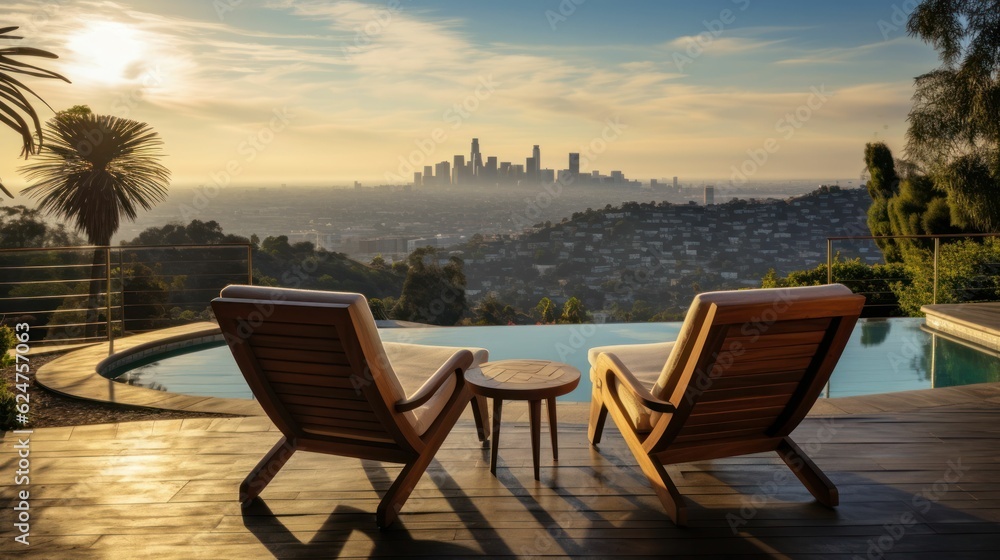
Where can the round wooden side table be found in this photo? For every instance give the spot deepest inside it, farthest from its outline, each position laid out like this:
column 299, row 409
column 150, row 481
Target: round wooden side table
column 524, row 380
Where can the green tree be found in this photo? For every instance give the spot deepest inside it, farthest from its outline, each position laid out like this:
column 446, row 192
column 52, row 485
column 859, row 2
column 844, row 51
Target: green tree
column 491, row 311
column 910, row 206
column 546, row 311
column 574, row 312
column 15, row 109
column 93, row 171
column 967, row 272
column 879, row 283
column 954, row 130
column 882, row 186
column 432, row 293
column 21, row 227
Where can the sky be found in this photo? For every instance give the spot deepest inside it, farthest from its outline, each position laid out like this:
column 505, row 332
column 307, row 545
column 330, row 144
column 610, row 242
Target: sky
column 317, row 93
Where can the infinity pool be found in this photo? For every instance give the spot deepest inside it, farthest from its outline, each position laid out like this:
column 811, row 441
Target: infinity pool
column 883, row 356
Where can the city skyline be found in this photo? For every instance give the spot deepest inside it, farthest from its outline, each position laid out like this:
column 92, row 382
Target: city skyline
column 458, row 171
column 319, row 93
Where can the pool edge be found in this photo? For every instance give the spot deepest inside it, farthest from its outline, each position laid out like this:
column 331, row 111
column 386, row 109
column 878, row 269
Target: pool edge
column 78, row 374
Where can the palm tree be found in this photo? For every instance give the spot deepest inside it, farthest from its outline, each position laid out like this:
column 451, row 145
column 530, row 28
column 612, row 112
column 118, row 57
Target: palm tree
column 15, row 110
column 954, row 130
column 94, row 170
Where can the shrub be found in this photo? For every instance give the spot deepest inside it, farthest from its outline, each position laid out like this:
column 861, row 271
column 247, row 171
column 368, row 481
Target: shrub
column 7, row 341
column 7, row 402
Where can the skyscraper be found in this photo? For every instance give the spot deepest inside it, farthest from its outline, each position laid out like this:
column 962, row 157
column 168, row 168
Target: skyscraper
column 537, row 154
column 709, row 196
column 442, row 171
column 531, row 168
column 574, row 164
column 458, row 171
column 476, row 158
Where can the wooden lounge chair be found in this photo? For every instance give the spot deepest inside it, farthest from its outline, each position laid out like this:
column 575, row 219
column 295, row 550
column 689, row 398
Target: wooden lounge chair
column 316, row 364
column 745, row 369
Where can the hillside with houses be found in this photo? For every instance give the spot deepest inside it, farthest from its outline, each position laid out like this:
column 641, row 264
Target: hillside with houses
column 662, row 254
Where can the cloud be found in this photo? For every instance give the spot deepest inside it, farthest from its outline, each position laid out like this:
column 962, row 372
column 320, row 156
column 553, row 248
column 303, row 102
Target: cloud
column 725, row 46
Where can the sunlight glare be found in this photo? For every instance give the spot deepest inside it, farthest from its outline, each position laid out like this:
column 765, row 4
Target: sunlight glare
column 106, row 52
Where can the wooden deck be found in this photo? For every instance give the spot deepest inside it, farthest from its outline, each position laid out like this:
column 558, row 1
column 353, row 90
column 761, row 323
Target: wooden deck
column 918, row 473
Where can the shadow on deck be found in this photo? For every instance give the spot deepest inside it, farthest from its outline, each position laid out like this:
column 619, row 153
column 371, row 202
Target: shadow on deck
column 914, row 481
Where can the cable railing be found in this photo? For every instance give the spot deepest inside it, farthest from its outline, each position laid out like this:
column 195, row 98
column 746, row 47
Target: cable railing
column 95, row 293
column 927, row 280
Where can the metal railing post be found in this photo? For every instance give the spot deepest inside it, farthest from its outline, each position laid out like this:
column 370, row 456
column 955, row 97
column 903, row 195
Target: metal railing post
column 829, row 261
column 121, row 282
column 111, row 335
column 937, row 248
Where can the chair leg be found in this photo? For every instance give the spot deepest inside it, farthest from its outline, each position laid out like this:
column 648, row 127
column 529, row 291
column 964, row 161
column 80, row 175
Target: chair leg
column 808, row 473
column 266, row 469
column 673, row 503
column 392, row 502
column 481, row 415
column 395, row 497
column 598, row 415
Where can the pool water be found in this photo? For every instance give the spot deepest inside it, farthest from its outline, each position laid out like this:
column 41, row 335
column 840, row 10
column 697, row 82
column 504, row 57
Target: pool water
column 883, row 356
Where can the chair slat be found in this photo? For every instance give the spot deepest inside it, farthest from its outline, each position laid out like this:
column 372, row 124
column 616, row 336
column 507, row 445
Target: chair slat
column 310, row 398
column 326, row 370
column 743, row 367
column 302, row 410
column 772, row 340
column 298, row 342
column 342, row 383
column 735, row 412
column 727, row 427
column 334, row 393
column 775, row 390
column 299, row 355
column 754, row 379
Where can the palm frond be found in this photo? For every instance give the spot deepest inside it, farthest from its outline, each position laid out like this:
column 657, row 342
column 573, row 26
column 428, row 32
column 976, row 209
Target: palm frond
column 15, row 110
column 96, row 169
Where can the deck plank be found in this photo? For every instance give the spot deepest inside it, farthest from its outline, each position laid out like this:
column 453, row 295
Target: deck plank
column 168, row 489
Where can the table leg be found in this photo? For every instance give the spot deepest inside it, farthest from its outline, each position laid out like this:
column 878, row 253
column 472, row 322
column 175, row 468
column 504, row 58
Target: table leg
column 497, row 405
column 551, row 405
column 536, row 419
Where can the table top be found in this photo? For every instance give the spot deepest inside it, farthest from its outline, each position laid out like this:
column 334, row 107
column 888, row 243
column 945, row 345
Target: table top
column 526, row 380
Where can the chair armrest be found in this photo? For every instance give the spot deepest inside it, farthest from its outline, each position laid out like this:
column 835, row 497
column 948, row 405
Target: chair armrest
column 615, row 370
column 456, row 364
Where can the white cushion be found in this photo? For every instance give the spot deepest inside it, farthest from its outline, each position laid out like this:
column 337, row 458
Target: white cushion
column 645, row 362
column 414, row 364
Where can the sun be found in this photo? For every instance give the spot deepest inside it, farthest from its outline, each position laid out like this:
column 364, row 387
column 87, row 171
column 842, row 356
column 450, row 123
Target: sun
column 105, row 52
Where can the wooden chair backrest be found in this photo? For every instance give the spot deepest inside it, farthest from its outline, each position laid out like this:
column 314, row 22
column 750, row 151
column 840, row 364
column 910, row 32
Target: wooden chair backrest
column 757, row 363
column 315, row 377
